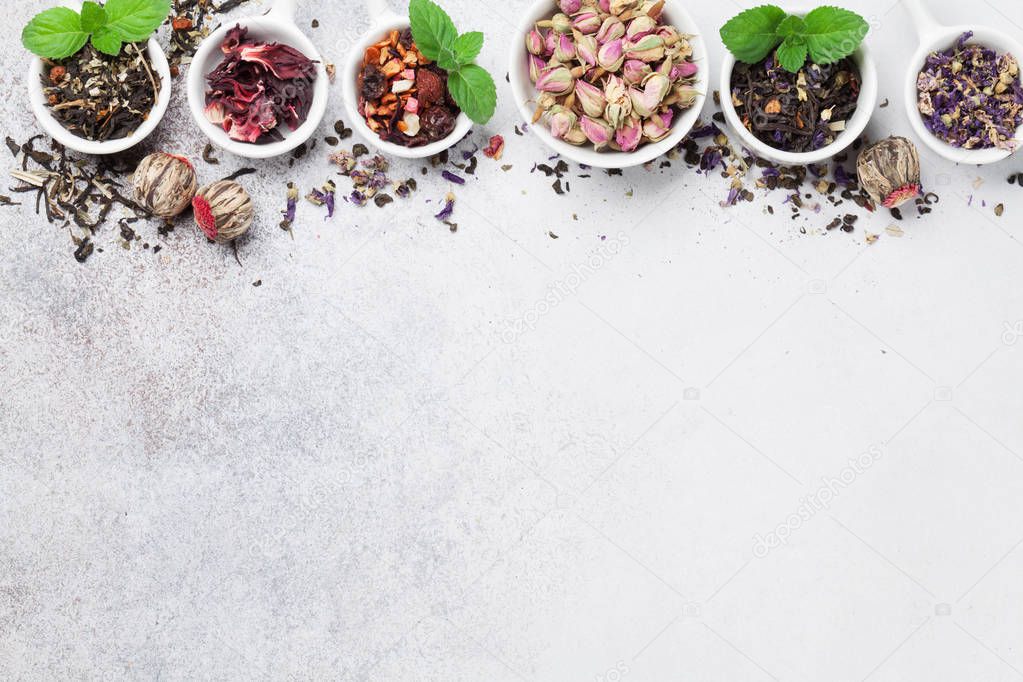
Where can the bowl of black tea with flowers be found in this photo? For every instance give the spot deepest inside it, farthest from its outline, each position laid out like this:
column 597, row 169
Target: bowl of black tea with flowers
column 104, row 86
column 805, row 93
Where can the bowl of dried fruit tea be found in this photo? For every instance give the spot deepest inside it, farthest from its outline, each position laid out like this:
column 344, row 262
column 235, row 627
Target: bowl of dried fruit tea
column 100, row 83
column 609, row 83
column 798, row 88
column 258, row 87
column 413, row 89
column 964, row 98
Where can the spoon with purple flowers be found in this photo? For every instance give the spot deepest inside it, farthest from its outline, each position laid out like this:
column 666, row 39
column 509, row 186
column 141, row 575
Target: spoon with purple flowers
column 963, row 93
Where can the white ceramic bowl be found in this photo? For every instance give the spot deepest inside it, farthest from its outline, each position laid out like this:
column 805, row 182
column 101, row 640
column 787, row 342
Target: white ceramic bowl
column 277, row 25
column 57, row 131
column 935, row 37
column 382, row 22
column 854, row 127
column 525, row 93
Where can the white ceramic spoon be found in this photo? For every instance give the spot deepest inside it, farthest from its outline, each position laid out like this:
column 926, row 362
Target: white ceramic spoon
column 935, row 37
column 382, row 22
column 277, row 25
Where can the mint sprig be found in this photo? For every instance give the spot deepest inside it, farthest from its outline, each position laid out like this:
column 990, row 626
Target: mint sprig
column 60, row 32
column 825, row 35
column 470, row 85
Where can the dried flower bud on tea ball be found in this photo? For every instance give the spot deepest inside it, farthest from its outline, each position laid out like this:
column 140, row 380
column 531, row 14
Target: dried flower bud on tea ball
column 164, row 184
column 889, row 171
column 223, row 211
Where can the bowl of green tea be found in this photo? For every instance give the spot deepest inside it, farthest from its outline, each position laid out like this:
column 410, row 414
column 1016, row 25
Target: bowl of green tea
column 797, row 88
column 100, row 83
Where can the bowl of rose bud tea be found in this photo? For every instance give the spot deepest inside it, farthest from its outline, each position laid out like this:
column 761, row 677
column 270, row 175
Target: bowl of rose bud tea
column 798, row 88
column 412, row 87
column 963, row 93
column 100, row 84
column 609, row 84
column 258, row 87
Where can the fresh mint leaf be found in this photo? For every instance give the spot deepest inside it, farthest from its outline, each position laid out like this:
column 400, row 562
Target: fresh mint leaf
column 791, row 26
column 55, row 33
column 433, row 30
column 93, row 16
column 467, row 47
column 474, row 91
column 107, row 41
column 136, row 20
column 752, row 34
column 833, row 33
column 792, row 53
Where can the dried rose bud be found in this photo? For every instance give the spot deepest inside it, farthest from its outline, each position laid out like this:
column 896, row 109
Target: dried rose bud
column 639, row 27
column 164, row 184
column 586, row 49
column 561, row 23
column 587, row 22
column 557, row 80
column 535, row 42
column 561, row 121
column 629, row 135
column 597, row 131
column 591, row 98
column 570, row 6
column 889, row 171
column 611, row 55
column 536, row 67
column 649, row 48
column 635, row 71
column 223, row 211
column 611, row 29
column 646, row 101
column 565, row 51
column 657, row 127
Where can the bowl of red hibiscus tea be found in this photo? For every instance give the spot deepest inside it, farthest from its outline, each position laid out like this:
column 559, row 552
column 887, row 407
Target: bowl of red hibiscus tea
column 397, row 98
column 258, row 87
column 798, row 100
column 95, row 103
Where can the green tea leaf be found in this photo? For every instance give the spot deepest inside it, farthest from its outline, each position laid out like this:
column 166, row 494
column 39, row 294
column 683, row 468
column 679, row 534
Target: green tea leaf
column 93, row 16
column 107, row 41
column 752, row 34
column 467, row 47
column 833, row 33
column 474, row 91
column 55, row 33
column 432, row 29
column 792, row 53
column 136, row 20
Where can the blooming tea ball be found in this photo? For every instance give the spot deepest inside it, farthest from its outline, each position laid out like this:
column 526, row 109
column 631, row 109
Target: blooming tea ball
column 164, row 184
column 223, row 211
column 889, row 171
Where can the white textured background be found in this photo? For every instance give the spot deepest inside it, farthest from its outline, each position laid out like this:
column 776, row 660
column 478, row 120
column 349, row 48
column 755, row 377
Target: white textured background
column 356, row 472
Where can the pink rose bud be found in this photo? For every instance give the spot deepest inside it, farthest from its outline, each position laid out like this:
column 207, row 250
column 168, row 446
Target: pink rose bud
column 657, row 127
column 587, row 23
column 561, row 121
column 611, row 55
column 604, row 5
column 535, row 42
column 550, row 43
column 635, row 71
column 556, row 80
column 591, row 98
column 570, row 6
column 629, row 135
column 684, row 70
column 640, row 26
column 586, row 49
column 565, row 51
column 646, row 101
column 611, row 29
column 596, row 131
column 536, row 67
column 649, row 48
column 670, row 35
